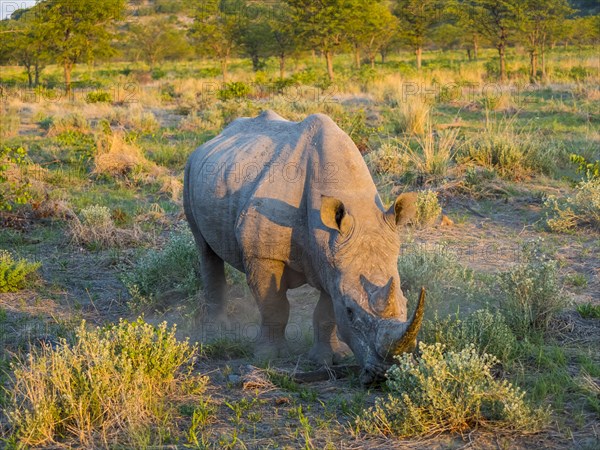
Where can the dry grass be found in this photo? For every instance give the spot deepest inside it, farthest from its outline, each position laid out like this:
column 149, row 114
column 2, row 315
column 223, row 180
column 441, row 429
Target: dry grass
column 413, row 115
column 95, row 228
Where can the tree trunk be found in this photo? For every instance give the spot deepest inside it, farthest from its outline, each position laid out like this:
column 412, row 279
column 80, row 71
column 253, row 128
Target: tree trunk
column 29, row 76
column 475, row 46
column 282, row 66
column 469, row 54
column 68, row 68
column 329, row 60
column 543, row 55
column 533, row 60
column 382, row 52
column 37, row 75
column 357, row 56
column 372, row 60
column 224, row 65
column 419, row 52
column 501, row 53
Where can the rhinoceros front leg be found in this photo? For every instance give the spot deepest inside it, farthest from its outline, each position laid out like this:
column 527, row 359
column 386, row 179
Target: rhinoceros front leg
column 327, row 348
column 267, row 283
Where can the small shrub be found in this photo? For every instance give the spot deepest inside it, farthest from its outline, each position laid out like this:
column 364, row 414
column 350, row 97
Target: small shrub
column 234, row 90
column 531, row 296
column 117, row 157
column 589, row 311
column 69, row 122
column 434, row 152
column 96, row 229
column 448, row 391
column 14, row 273
column 111, row 384
column 98, row 97
column 388, row 159
column 590, row 169
column 175, row 267
column 10, row 122
column 446, row 280
column 428, row 208
column 488, row 332
column 14, row 184
column 582, row 208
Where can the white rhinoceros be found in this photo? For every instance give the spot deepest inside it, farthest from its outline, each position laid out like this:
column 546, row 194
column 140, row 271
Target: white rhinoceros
column 290, row 203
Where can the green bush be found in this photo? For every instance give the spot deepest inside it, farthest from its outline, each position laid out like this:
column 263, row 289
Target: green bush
column 14, row 273
column 580, row 209
column 428, row 208
column 234, row 90
column 589, row 311
column 531, row 296
column 488, row 332
column 14, row 184
column 591, row 169
column 98, row 97
column 446, row 280
column 448, row 391
column 112, row 384
column 175, row 267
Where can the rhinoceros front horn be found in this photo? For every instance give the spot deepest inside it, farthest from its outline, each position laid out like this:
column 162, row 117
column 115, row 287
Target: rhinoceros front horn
column 396, row 337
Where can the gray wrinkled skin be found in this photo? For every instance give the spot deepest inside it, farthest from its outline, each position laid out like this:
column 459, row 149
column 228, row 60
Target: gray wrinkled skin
column 290, row 203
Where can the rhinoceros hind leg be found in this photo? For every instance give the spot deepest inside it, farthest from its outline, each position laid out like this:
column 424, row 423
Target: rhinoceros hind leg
column 327, row 348
column 268, row 285
column 212, row 270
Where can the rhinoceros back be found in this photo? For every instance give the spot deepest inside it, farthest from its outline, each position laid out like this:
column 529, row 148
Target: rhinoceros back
column 252, row 190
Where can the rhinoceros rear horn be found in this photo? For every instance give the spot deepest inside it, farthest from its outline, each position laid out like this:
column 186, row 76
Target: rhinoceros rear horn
column 406, row 341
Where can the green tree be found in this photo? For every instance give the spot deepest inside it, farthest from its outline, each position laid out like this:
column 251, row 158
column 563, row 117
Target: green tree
column 27, row 45
column 157, row 40
column 462, row 12
column 79, row 30
column 255, row 38
column 417, row 18
column 284, row 32
column 496, row 20
column 216, row 29
column 542, row 19
column 371, row 27
column 323, row 24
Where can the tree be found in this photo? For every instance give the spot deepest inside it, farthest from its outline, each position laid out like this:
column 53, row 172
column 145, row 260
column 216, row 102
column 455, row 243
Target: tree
column 497, row 20
column 541, row 20
column 216, row 29
column 323, row 24
column 371, row 27
column 284, row 32
column 27, row 45
column 157, row 40
column 417, row 18
column 463, row 13
column 255, row 36
column 78, row 30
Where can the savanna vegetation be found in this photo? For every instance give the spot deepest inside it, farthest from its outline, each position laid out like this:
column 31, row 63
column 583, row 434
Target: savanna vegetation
column 489, row 109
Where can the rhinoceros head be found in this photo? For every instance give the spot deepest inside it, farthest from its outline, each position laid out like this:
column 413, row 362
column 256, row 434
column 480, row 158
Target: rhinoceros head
column 370, row 309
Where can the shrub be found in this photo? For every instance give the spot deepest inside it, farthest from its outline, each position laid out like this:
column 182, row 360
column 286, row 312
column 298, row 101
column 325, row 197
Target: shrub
column 10, row 122
column 388, row 159
column 14, row 273
column 14, row 185
column 234, row 90
column 175, row 267
column 452, row 391
column 531, row 296
column 428, row 208
column 446, row 280
column 69, row 122
column 98, row 97
column 118, row 157
column 488, row 332
column 112, row 384
column 95, row 229
column 591, row 169
column 580, row 209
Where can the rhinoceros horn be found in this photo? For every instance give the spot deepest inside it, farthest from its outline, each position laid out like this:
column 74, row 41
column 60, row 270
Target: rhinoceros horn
column 395, row 337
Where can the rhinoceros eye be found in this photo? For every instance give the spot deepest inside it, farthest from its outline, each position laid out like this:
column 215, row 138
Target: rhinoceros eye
column 350, row 313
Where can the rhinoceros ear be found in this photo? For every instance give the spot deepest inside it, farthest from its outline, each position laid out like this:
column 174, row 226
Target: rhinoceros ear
column 404, row 209
column 334, row 215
